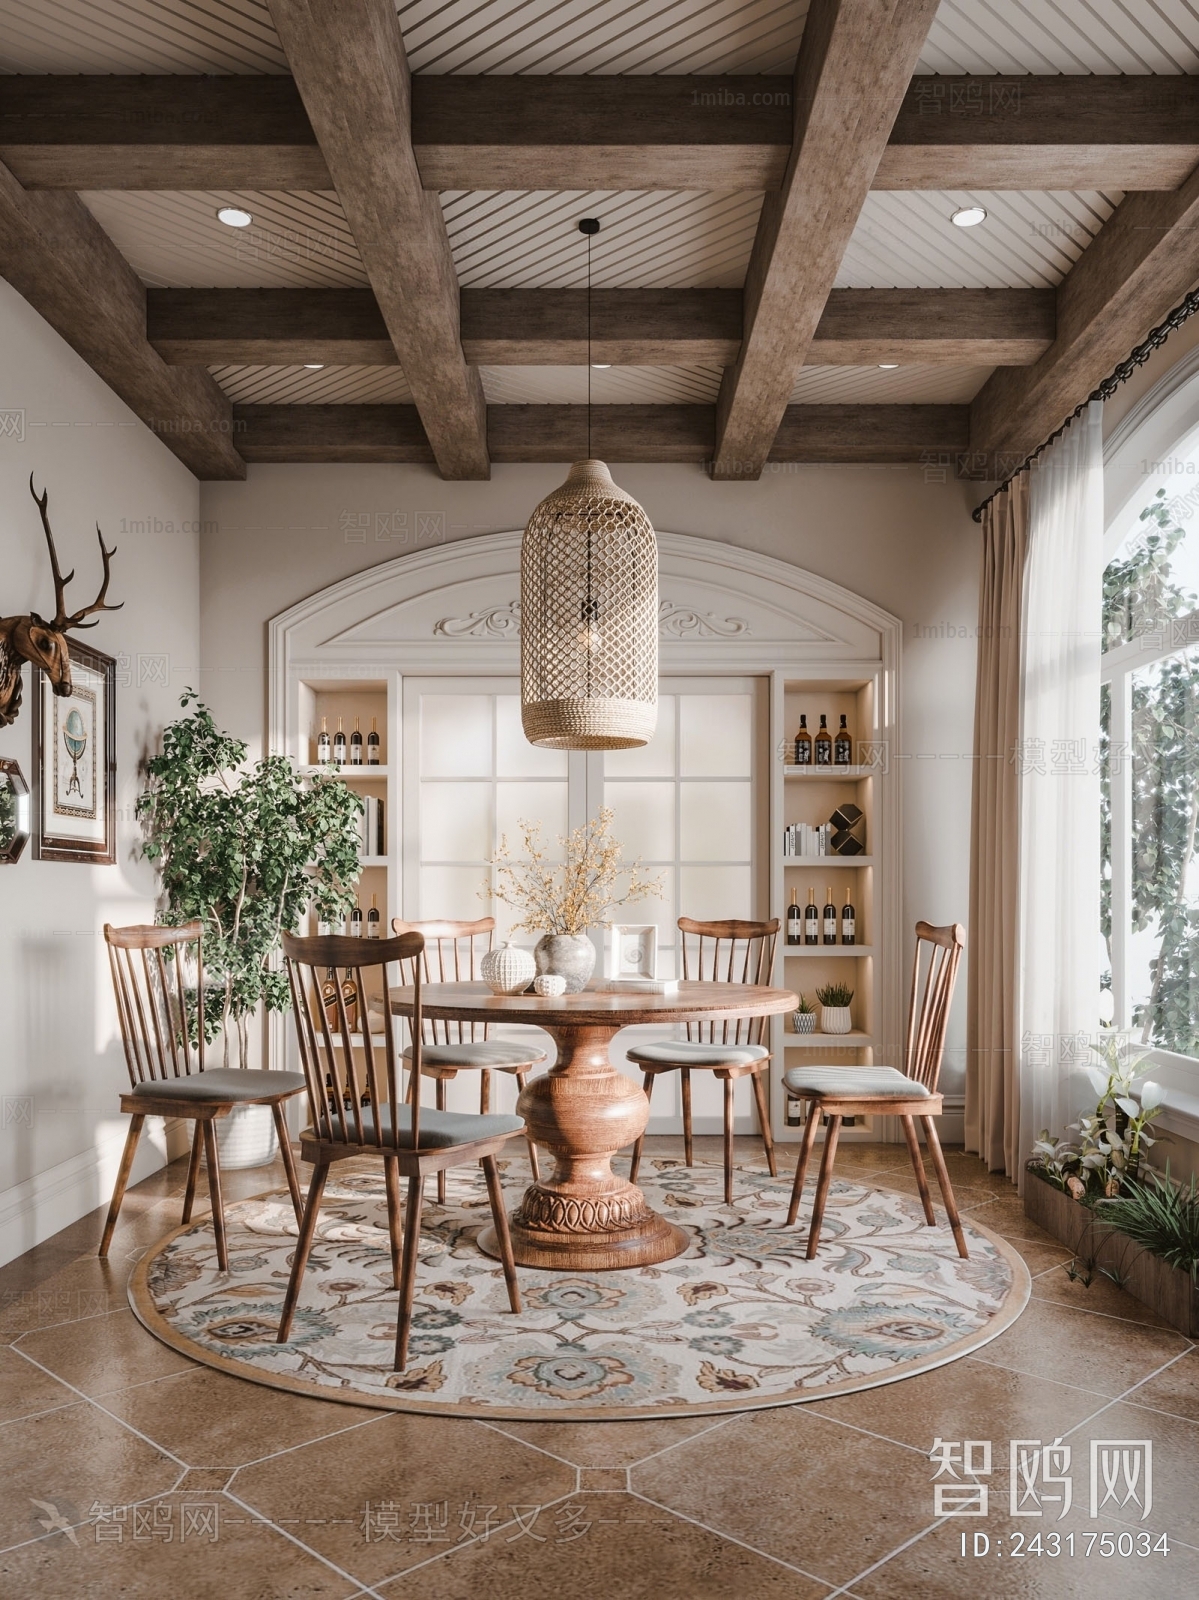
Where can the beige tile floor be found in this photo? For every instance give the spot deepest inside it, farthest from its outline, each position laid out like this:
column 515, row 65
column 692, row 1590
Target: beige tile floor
column 211, row 1487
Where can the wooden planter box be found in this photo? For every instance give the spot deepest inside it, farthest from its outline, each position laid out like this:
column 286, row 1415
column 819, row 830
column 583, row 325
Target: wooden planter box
column 1164, row 1289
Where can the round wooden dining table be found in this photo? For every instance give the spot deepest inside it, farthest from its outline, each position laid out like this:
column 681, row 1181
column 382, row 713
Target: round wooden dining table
column 584, row 1216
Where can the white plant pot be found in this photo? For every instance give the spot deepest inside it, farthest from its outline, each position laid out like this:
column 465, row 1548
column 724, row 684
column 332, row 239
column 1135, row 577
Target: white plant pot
column 246, row 1137
column 508, row 970
column 835, row 1019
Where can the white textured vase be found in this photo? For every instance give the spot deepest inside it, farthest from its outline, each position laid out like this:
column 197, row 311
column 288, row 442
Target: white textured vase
column 803, row 1021
column 508, row 970
column 835, row 1019
column 548, row 984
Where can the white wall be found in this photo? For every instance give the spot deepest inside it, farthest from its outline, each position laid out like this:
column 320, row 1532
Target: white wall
column 61, row 1068
column 906, row 543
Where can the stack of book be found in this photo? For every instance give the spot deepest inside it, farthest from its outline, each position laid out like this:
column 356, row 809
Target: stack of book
column 371, row 827
column 801, row 839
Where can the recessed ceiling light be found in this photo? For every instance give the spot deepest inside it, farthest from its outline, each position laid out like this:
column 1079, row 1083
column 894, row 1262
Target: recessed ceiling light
column 234, row 217
column 314, row 366
column 887, row 366
column 969, row 217
column 601, row 366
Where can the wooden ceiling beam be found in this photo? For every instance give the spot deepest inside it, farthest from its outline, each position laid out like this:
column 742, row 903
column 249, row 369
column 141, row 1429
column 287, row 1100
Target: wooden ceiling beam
column 625, row 433
column 352, row 74
column 854, row 65
column 1052, row 132
column 629, row 327
column 55, row 254
column 1141, row 263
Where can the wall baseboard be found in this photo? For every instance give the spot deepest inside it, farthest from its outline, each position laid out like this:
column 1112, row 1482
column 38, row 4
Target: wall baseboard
column 41, row 1206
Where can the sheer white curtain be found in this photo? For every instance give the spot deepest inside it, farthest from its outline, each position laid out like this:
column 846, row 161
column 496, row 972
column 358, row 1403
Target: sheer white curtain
column 1059, row 781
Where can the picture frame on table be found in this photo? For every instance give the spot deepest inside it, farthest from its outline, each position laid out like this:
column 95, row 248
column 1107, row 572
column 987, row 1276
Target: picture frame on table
column 75, row 764
column 631, row 950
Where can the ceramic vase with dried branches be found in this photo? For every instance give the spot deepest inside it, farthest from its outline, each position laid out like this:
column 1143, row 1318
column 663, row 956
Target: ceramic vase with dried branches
column 562, row 901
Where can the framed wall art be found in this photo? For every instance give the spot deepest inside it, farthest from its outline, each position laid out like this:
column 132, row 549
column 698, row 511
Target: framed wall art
column 74, row 763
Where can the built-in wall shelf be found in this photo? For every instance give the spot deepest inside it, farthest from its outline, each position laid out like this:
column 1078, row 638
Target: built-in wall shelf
column 372, row 861
column 817, row 951
column 854, row 1040
column 835, row 862
column 377, row 774
column 830, row 774
column 809, row 795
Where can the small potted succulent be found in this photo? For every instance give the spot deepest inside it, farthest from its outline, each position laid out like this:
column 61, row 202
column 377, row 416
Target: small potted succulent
column 803, row 1018
column 835, row 1000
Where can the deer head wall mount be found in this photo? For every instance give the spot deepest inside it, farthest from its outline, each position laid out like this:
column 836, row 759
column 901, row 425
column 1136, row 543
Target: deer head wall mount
column 31, row 638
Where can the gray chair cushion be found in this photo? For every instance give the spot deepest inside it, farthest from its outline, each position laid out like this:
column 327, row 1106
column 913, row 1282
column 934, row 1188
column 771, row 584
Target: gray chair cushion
column 439, row 1130
column 690, row 1053
column 487, row 1053
column 881, row 1082
column 224, row 1083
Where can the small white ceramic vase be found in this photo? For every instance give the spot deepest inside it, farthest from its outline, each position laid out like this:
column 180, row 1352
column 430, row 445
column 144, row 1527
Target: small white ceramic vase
column 549, row 984
column 835, row 1019
column 508, row 970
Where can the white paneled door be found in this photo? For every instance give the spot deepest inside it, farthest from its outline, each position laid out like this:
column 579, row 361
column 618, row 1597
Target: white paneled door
column 691, row 804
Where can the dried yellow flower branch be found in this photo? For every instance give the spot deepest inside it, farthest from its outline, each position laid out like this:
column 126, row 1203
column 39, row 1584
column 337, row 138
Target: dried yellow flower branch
column 578, row 893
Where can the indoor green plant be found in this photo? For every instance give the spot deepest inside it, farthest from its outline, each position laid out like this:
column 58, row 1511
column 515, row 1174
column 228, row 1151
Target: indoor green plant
column 560, row 902
column 246, row 851
column 1113, row 1138
column 835, row 999
column 803, row 1018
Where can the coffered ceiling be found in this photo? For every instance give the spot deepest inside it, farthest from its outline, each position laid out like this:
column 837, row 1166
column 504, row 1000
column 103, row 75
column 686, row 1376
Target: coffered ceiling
column 410, row 286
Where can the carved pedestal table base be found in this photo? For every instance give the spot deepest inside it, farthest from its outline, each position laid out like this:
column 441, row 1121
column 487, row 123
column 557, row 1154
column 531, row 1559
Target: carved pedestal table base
column 585, row 1217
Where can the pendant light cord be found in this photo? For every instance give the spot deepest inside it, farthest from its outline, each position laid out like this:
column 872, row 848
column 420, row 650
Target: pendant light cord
column 590, row 227
column 589, row 347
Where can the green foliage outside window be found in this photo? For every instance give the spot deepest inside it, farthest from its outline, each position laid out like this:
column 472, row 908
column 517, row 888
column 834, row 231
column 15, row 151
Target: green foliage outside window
column 1140, row 598
column 246, row 851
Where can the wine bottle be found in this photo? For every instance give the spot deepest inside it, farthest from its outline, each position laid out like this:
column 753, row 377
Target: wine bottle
column 823, row 743
column 339, row 746
column 372, row 746
column 356, row 922
column 830, row 918
column 323, row 752
column 842, row 746
column 372, row 919
column 811, row 920
column 356, row 745
column 794, row 1116
column 794, row 922
column 849, row 921
column 803, row 745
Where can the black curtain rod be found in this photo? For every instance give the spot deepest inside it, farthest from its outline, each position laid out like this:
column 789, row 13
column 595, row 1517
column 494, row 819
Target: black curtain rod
column 1153, row 341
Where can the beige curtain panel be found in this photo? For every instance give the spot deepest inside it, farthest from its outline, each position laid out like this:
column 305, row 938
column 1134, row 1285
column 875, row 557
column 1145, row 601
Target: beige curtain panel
column 993, row 1054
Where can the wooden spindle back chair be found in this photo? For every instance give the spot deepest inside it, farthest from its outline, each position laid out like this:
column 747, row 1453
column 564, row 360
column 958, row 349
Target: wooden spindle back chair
column 158, row 981
column 718, row 952
column 452, row 953
column 834, row 1093
column 362, row 1107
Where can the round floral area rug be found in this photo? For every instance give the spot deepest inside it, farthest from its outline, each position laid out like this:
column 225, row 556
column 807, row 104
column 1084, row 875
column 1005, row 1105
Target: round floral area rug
column 739, row 1320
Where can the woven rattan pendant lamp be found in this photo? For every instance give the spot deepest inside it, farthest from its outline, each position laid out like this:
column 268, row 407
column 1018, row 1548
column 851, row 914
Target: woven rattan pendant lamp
column 589, row 607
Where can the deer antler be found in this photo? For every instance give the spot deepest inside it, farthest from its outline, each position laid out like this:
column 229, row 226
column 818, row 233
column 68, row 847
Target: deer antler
column 60, row 583
column 75, row 620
